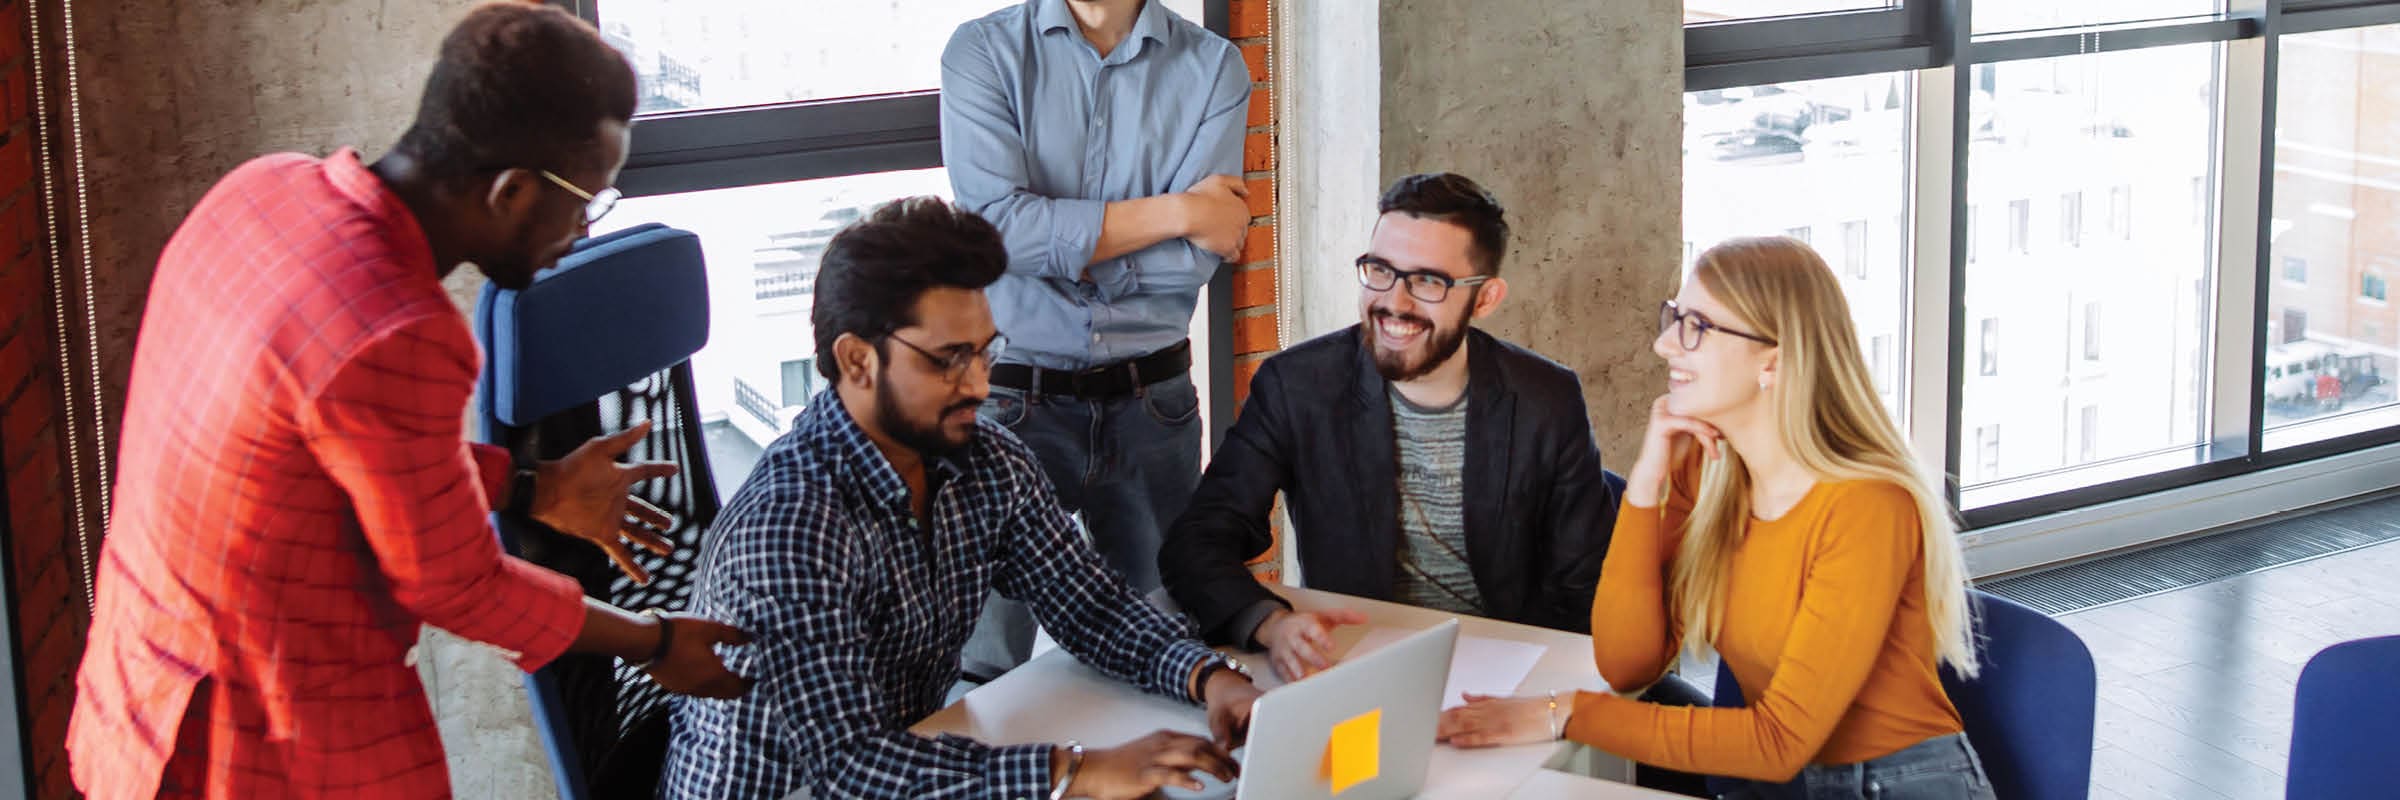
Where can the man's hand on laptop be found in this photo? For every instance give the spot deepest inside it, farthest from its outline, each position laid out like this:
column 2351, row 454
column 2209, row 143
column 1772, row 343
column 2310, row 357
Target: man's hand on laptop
column 1300, row 643
column 1135, row 769
column 1230, row 697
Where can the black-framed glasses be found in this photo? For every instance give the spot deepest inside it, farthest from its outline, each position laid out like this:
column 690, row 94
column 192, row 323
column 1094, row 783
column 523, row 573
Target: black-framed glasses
column 1692, row 326
column 595, row 205
column 1427, row 285
column 954, row 360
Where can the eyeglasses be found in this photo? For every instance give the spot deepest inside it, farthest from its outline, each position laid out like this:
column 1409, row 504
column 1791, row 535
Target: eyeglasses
column 595, row 206
column 954, row 360
column 1692, row 326
column 1427, row 285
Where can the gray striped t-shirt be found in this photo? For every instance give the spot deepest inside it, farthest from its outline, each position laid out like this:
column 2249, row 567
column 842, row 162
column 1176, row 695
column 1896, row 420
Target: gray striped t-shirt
column 1432, row 446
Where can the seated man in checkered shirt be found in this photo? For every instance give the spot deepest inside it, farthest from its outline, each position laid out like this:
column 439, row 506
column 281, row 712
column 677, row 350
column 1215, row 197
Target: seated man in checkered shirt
column 859, row 553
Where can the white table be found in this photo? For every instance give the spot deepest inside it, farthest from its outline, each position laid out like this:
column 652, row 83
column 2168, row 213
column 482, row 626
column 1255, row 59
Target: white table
column 1054, row 698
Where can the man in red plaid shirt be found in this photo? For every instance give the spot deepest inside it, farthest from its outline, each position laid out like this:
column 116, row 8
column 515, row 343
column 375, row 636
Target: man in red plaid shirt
column 295, row 496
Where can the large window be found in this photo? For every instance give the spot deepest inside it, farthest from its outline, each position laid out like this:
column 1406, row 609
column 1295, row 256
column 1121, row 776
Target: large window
column 2336, row 224
column 2188, row 259
column 1842, row 161
column 762, row 244
column 693, row 54
column 2064, row 128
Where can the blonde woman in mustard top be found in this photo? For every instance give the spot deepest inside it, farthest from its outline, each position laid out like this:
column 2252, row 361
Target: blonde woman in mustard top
column 1775, row 516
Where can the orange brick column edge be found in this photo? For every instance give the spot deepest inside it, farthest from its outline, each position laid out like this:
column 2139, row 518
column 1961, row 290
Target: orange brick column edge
column 1255, row 333
column 49, row 615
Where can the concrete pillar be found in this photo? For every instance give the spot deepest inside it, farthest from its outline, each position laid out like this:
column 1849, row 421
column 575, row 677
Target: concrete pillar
column 1332, row 170
column 1569, row 111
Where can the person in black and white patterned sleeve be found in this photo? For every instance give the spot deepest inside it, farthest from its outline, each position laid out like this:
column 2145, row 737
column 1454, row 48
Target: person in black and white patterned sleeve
column 859, row 553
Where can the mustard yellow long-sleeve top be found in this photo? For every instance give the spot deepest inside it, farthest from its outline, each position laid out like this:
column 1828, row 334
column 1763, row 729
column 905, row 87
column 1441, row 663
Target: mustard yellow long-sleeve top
column 1825, row 629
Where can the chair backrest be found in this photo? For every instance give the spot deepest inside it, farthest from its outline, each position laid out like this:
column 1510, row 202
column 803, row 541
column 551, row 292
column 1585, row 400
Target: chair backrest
column 2346, row 722
column 2029, row 713
column 598, row 344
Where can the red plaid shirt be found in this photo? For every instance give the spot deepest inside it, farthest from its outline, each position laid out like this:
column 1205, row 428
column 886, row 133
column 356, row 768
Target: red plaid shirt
column 294, row 497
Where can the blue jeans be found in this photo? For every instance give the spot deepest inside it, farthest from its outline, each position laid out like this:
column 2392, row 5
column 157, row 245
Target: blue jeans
column 1125, row 465
column 1940, row 768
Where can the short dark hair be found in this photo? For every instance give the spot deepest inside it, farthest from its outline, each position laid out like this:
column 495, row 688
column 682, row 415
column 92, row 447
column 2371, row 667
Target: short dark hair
column 873, row 271
column 517, row 84
column 1455, row 199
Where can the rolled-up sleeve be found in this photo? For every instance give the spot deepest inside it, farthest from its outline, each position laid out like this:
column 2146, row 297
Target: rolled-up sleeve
column 1178, row 264
column 1047, row 237
column 1087, row 606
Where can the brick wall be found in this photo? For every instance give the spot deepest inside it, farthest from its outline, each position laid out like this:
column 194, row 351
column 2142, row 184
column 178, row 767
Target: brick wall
column 1254, row 329
column 51, row 617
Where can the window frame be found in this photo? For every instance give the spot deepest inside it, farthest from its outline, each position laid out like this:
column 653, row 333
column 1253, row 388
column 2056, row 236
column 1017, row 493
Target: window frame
column 725, row 148
column 2233, row 201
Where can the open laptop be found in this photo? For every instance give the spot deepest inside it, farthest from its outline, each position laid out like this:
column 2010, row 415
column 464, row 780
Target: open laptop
column 1361, row 730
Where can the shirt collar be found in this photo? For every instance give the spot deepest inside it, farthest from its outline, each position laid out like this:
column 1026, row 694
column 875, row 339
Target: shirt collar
column 361, row 186
column 861, row 461
column 1150, row 24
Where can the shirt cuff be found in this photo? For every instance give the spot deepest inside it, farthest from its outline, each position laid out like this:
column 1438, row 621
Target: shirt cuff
column 1020, row 772
column 555, row 612
column 493, row 466
column 1182, row 658
column 1244, row 626
column 1115, row 278
column 1074, row 234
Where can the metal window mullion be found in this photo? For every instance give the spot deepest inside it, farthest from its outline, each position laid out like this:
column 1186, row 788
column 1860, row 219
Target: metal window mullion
column 1937, row 241
column 1735, row 40
column 589, row 10
column 1899, row 58
column 2245, row 207
column 2311, row 20
column 2109, row 39
column 726, row 148
column 15, row 756
column 1945, row 111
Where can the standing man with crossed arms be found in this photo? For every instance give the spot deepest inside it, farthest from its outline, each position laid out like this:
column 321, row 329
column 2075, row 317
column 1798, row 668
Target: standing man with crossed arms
column 1104, row 138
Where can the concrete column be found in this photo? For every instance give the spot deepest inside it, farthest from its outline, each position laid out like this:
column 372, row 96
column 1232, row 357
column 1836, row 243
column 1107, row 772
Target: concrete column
column 1331, row 168
column 1570, row 111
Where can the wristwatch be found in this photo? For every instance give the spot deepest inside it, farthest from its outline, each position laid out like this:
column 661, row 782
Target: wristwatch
column 520, row 491
column 666, row 639
column 1216, row 662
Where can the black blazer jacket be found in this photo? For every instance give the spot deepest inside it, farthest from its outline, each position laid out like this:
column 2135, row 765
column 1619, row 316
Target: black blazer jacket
column 1318, row 428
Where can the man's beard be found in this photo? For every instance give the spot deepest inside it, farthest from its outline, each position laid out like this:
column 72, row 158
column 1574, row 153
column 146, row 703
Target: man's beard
column 1394, row 366
column 927, row 440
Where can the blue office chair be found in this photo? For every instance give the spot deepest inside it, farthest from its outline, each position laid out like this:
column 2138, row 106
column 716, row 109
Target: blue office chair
column 2346, row 722
column 597, row 344
column 2029, row 714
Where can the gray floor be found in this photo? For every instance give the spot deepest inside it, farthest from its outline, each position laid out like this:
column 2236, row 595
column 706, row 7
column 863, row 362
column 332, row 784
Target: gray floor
column 2196, row 684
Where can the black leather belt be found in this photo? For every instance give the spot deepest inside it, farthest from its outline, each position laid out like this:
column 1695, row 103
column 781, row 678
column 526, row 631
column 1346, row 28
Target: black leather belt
column 1106, row 380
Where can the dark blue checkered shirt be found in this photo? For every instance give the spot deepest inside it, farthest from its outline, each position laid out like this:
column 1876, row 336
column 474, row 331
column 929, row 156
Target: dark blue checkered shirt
column 858, row 616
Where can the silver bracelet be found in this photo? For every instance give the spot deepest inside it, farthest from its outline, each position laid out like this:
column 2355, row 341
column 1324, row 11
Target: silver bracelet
column 1552, row 715
column 1074, row 764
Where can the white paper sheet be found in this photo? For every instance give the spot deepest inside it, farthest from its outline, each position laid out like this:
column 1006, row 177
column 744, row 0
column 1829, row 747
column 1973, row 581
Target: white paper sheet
column 1478, row 665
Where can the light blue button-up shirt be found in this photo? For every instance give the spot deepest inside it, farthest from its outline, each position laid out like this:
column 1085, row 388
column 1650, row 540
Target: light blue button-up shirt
column 1040, row 133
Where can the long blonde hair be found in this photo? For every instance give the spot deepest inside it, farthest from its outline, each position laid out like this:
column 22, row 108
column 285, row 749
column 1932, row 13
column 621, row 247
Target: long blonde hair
column 1831, row 422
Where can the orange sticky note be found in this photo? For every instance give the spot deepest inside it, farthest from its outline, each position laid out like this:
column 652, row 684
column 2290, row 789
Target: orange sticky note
column 1354, row 755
